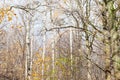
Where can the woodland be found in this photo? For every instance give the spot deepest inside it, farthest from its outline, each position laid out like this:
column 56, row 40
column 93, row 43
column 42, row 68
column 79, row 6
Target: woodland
column 59, row 39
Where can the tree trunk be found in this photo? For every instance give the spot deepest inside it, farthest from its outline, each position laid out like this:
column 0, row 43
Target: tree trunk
column 43, row 54
column 28, row 53
column 53, row 59
column 71, row 52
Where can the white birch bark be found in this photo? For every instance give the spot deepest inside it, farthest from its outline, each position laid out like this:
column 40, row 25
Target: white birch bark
column 31, row 54
column 28, row 51
column 53, row 55
column 71, row 51
column 43, row 54
column 28, row 56
column 53, row 58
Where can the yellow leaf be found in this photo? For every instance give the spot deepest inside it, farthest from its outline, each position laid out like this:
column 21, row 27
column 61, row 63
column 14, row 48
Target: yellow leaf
column 19, row 27
column 65, row 1
column 0, row 21
column 2, row 14
column 34, row 74
column 40, row 49
column 9, row 18
column 55, row 14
